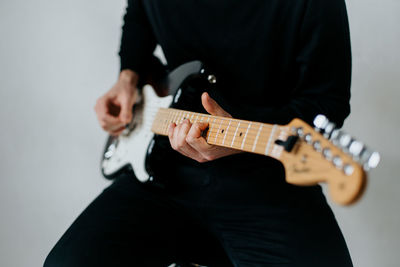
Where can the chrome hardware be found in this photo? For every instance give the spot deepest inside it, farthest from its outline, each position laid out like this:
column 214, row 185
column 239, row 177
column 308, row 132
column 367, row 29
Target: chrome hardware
column 212, row 79
column 111, row 149
column 356, row 148
column 177, row 95
column 320, row 122
column 300, row 131
column 373, row 161
column 308, row 138
column 337, row 161
column 317, row 146
column 348, row 169
column 335, row 136
column 327, row 153
column 345, row 141
column 329, row 129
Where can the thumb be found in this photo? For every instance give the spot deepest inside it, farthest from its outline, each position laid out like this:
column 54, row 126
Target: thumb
column 212, row 107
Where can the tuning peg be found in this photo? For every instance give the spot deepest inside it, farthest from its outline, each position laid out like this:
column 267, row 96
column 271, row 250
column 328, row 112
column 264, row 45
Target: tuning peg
column 320, row 122
column 355, row 148
column 374, row 160
column 335, row 136
column 369, row 159
column 345, row 140
column 329, row 128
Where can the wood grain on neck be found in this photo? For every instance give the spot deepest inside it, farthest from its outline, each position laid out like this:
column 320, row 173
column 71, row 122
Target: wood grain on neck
column 254, row 137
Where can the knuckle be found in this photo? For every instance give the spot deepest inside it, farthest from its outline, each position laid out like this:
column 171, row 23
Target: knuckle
column 173, row 146
column 181, row 143
column 201, row 160
column 209, row 157
column 189, row 139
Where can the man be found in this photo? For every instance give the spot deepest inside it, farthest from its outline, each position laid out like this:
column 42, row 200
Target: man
column 275, row 60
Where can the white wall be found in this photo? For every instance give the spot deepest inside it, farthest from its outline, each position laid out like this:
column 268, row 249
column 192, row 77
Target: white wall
column 57, row 57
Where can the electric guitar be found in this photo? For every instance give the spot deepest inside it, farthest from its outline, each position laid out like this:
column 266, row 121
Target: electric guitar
column 310, row 155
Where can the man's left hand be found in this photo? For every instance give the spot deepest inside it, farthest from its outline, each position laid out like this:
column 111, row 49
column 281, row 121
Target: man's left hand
column 187, row 139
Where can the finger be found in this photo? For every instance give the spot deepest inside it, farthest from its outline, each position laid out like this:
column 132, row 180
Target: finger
column 110, row 123
column 195, row 139
column 127, row 102
column 174, row 132
column 212, row 107
column 117, row 132
column 180, row 134
column 171, row 130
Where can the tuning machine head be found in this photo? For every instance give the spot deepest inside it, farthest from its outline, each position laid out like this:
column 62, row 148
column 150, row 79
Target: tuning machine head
column 369, row 159
column 320, row 122
column 323, row 125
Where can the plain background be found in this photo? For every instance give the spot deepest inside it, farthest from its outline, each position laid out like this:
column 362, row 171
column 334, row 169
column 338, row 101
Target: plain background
column 57, row 57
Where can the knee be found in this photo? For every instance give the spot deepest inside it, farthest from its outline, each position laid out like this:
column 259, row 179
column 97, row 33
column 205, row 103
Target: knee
column 61, row 256
column 53, row 259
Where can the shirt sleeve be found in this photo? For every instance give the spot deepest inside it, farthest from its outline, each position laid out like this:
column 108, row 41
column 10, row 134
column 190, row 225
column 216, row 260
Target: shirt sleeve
column 138, row 41
column 323, row 64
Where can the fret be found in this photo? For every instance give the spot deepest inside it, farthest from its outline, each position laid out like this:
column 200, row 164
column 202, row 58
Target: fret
column 218, row 131
column 181, row 115
column 270, row 139
column 262, row 140
column 234, row 136
column 210, row 129
column 257, row 136
column 163, row 126
column 185, row 116
column 176, row 116
column 245, row 135
column 226, row 132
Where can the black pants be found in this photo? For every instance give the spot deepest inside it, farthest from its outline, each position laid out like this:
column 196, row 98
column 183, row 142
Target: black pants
column 216, row 219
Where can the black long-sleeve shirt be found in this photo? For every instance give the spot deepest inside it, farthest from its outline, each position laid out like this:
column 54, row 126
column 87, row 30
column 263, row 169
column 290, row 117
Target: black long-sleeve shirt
column 275, row 59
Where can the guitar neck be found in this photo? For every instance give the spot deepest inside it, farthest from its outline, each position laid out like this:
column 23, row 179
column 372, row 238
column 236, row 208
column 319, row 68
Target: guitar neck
column 254, row 137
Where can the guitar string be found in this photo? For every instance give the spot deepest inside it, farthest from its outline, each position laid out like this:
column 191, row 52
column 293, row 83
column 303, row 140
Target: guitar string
column 251, row 136
column 258, row 147
column 251, row 131
column 171, row 111
column 182, row 114
column 165, row 116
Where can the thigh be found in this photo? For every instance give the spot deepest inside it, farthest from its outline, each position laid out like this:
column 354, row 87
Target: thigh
column 294, row 234
column 126, row 225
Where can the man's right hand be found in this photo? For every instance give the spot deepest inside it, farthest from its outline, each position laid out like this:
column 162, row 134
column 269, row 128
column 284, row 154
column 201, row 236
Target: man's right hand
column 114, row 108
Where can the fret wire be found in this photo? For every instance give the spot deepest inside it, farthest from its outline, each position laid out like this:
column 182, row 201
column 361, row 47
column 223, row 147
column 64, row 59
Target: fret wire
column 259, row 143
column 216, row 135
column 226, row 131
column 249, row 131
column 270, row 139
column 244, row 138
column 247, row 139
column 234, row 136
column 230, row 119
column 210, row 126
column 258, row 135
column 249, row 135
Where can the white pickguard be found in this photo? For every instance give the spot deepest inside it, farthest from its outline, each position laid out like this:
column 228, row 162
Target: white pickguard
column 131, row 146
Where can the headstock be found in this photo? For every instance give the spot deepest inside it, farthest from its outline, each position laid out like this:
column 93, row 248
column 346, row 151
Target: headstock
column 326, row 154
